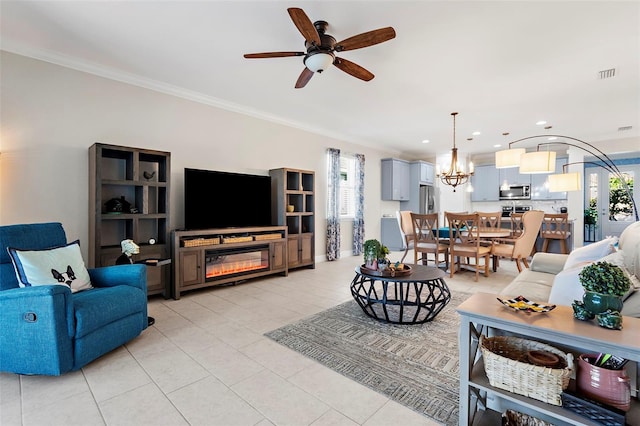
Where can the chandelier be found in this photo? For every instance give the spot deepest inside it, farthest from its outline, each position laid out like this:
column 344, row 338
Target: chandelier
column 455, row 175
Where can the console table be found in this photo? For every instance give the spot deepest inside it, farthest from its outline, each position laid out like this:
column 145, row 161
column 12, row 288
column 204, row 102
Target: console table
column 411, row 299
column 481, row 313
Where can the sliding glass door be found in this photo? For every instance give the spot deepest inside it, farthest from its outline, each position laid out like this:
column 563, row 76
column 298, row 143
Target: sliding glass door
column 608, row 208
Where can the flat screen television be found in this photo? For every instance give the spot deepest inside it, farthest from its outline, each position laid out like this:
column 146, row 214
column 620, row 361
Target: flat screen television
column 214, row 199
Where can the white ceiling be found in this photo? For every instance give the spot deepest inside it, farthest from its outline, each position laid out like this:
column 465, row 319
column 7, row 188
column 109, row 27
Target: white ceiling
column 502, row 65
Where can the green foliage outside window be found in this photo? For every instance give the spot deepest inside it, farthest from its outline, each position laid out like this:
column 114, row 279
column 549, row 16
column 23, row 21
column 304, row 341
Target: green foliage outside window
column 619, row 202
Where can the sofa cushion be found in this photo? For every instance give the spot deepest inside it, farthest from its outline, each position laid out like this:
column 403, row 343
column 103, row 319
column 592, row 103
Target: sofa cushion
column 618, row 258
column 631, row 307
column 100, row 306
column 566, row 286
column 53, row 266
column 591, row 252
column 533, row 285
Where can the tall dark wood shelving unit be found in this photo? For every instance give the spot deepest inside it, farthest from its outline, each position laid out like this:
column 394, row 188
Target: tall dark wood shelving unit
column 118, row 171
column 294, row 187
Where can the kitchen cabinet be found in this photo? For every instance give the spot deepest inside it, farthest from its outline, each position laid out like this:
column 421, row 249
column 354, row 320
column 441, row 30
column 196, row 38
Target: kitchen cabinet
column 390, row 234
column 513, row 176
column 421, row 174
column 486, row 183
column 395, row 179
column 540, row 184
column 481, row 403
column 426, row 172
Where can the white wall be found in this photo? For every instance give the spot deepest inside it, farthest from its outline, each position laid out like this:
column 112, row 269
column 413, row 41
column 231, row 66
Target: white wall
column 50, row 115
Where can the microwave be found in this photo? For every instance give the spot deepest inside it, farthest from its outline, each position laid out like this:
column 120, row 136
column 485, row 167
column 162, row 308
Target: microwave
column 516, row 192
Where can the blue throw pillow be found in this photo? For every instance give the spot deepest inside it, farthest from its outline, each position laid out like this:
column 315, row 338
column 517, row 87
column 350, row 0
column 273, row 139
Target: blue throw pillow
column 58, row 265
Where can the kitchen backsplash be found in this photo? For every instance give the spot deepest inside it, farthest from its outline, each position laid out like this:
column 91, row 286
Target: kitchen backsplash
column 545, row 206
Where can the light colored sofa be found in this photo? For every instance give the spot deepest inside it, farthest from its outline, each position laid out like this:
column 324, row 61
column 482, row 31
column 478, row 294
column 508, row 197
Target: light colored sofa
column 553, row 278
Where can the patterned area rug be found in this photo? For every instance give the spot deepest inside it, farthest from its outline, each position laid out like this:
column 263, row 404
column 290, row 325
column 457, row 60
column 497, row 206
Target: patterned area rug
column 415, row 365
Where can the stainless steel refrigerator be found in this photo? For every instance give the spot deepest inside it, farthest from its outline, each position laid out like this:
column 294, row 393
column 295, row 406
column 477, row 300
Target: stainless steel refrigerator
column 428, row 199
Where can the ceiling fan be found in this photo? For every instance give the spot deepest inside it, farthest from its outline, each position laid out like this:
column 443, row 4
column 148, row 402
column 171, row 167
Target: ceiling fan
column 321, row 48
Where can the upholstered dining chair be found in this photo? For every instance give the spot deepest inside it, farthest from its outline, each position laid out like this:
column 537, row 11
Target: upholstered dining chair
column 406, row 230
column 516, row 225
column 428, row 239
column 465, row 243
column 520, row 248
column 555, row 227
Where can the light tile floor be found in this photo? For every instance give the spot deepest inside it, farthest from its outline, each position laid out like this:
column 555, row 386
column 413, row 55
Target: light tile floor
column 206, row 362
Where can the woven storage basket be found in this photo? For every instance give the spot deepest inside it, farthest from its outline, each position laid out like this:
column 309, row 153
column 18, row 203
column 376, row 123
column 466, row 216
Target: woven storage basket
column 198, row 242
column 505, row 369
column 516, row 418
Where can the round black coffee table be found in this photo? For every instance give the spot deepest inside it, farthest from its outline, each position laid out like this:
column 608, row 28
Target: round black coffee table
column 412, row 299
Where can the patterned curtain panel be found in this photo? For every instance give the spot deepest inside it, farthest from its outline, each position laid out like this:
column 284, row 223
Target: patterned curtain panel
column 333, row 209
column 358, row 220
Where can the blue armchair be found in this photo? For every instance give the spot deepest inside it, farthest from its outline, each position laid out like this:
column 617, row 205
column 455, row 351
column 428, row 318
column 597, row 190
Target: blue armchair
column 48, row 329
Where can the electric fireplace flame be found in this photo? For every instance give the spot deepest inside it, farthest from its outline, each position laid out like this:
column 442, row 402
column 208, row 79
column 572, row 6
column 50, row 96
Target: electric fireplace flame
column 220, row 265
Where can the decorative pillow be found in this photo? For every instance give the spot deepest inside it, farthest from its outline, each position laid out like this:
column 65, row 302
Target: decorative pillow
column 566, row 286
column 58, row 265
column 591, row 253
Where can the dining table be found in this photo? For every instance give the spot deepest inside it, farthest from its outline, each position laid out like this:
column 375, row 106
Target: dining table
column 487, row 233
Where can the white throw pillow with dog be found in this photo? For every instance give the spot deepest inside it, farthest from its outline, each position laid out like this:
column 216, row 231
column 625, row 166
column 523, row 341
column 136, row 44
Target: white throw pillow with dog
column 55, row 266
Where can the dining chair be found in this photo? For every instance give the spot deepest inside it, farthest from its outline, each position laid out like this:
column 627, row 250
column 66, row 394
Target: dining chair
column 465, row 243
column 407, row 231
column 555, row 227
column 428, row 239
column 489, row 220
column 519, row 248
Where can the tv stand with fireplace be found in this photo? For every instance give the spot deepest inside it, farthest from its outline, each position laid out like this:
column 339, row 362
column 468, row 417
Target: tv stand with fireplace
column 210, row 257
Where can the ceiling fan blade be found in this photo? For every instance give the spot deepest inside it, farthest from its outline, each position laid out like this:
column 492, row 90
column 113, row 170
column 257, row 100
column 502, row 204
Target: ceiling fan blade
column 304, row 78
column 353, row 69
column 272, row 55
column 365, row 39
column 304, row 25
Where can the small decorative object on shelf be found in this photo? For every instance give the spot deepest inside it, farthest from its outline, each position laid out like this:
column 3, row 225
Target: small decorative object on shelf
column 604, row 286
column 290, row 208
column 148, row 175
column 521, row 303
column 118, row 205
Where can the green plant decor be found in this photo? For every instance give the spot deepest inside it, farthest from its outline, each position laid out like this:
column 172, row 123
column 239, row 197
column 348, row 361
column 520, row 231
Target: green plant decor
column 604, row 278
column 590, row 216
column 370, row 250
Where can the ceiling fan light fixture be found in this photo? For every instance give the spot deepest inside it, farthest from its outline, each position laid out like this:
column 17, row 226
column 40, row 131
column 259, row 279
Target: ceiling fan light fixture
column 318, row 61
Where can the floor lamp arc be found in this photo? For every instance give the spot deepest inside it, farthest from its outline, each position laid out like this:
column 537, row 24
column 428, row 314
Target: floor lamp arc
column 604, row 160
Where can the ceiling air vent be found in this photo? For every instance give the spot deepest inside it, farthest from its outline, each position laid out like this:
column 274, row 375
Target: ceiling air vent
column 623, row 128
column 611, row 72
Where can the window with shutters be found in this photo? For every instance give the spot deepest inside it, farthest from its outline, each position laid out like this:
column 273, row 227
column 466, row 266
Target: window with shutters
column 347, row 187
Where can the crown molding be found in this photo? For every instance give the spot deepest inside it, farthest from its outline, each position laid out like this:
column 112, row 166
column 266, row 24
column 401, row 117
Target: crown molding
column 158, row 86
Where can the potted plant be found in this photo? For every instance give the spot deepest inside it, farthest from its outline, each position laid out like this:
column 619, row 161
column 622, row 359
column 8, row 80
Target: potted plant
column 604, row 285
column 375, row 254
column 370, row 250
column 383, row 252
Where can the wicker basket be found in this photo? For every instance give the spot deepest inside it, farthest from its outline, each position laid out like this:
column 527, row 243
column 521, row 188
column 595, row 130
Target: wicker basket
column 198, row 242
column 506, row 367
column 515, row 418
